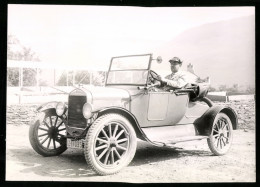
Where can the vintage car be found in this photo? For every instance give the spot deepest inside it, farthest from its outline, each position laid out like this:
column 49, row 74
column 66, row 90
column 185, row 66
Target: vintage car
column 106, row 121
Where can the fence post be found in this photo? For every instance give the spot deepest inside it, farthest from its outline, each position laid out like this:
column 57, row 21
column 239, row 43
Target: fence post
column 37, row 78
column 105, row 78
column 67, row 77
column 20, row 84
column 54, row 76
column 91, row 77
column 73, row 78
column 21, row 77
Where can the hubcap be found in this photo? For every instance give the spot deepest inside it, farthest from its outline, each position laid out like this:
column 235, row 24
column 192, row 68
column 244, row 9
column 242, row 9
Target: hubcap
column 112, row 143
column 53, row 132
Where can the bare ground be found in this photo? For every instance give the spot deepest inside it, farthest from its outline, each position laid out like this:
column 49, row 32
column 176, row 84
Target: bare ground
column 192, row 163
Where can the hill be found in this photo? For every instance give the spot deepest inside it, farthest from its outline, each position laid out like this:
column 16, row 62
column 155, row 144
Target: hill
column 224, row 51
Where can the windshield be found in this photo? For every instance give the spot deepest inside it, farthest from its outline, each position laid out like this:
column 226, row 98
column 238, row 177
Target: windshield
column 130, row 62
column 129, row 70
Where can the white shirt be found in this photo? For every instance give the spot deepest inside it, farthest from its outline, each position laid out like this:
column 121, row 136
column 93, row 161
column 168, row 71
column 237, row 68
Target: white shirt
column 177, row 80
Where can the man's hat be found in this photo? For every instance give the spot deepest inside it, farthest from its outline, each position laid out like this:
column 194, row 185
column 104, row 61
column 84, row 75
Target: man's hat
column 175, row 59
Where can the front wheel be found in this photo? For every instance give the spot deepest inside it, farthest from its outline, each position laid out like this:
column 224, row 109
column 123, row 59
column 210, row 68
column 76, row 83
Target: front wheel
column 110, row 144
column 221, row 135
column 47, row 136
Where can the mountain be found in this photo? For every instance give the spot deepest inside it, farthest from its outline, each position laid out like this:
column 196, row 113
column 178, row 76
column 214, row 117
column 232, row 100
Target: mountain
column 224, row 51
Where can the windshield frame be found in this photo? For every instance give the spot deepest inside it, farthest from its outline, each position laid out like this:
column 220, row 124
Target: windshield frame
column 146, row 69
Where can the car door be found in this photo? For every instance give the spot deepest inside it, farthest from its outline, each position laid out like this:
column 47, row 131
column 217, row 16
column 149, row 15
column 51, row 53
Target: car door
column 166, row 108
column 159, row 108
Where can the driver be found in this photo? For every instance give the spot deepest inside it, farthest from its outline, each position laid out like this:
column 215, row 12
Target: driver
column 177, row 78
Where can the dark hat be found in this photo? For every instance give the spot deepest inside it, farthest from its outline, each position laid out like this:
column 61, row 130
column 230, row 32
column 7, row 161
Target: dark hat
column 175, row 59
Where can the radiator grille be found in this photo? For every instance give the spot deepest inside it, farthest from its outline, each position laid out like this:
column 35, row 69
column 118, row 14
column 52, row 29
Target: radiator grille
column 75, row 115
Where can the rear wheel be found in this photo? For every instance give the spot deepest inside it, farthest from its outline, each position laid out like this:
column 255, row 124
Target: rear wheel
column 47, row 137
column 221, row 135
column 110, row 144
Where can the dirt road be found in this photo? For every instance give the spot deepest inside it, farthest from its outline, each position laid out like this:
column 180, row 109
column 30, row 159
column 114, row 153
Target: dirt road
column 193, row 163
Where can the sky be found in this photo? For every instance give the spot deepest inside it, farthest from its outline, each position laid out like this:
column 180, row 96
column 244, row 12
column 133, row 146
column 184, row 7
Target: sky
column 91, row 35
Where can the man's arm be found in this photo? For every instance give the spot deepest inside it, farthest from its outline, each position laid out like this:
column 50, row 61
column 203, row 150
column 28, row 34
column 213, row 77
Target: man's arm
column 179, row 83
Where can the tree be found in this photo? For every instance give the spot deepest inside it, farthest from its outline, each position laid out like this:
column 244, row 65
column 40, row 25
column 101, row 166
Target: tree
column 222, row 87
column 233, row 89
column 62, row 80
column 29, row 77
column 16, row 51
column 12, row 77
column 212, row 89
column 98, row 78
column 82, row 77
column 250, row 89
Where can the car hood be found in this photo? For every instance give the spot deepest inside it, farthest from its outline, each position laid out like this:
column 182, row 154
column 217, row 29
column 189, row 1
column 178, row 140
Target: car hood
column 103, row 93
column 103, row 97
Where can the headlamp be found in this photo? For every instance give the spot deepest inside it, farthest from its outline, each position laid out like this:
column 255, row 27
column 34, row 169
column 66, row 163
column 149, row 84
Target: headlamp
column 60, row 108
column 87, row 110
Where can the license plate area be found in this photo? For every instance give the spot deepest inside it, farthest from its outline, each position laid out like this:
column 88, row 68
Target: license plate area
column 71, row 143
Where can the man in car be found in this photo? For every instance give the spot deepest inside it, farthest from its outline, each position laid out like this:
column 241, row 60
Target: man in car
column 177, row 78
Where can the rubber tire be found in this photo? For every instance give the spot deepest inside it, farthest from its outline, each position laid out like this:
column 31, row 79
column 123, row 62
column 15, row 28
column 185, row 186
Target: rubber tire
column 34, row 139
column 90, row 138
column 211, row 139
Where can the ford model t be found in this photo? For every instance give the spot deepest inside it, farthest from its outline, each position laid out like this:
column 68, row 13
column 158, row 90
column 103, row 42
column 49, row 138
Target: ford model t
column 106, row 121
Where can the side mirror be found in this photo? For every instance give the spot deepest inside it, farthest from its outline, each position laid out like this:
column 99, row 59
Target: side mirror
column 159, row 59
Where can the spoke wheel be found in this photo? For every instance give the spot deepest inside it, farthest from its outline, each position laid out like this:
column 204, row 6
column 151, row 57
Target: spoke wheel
column 221, row 136
column 47, row 137
column 110, row 144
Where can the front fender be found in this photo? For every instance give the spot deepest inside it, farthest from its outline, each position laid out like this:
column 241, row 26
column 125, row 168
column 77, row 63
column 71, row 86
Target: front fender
column 205, row 122
column 48, row 105
column 140, row 134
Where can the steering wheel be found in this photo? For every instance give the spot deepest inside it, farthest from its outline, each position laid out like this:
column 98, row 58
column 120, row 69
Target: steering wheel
column 153, row 77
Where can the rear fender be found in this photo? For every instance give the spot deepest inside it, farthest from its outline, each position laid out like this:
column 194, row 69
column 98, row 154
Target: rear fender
column 205, row 122
column 140, row 134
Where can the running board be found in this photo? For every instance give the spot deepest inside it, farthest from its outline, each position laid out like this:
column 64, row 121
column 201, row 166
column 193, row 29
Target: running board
column 183, row 139
column 169, row 135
